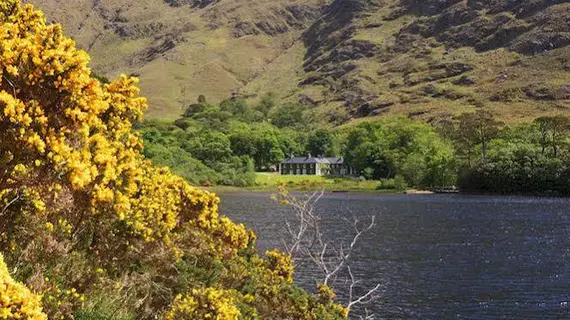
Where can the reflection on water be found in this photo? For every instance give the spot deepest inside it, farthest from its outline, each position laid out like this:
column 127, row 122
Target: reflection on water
column 443, row 257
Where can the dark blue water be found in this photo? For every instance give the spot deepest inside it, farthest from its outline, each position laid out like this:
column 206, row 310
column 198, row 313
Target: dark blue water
column 442, row 257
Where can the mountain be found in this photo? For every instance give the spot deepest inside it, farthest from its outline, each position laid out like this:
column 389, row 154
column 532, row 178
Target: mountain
column 421, row 58
column 183, row 48
column 425, row 57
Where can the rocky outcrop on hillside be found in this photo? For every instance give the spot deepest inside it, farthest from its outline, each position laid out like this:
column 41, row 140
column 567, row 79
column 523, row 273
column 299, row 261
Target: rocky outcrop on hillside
column 355, row 35
column 528, row 27
column 413, row 57
column 277, row 20
column 193, row 3
column 332, row 51
column 334, row 30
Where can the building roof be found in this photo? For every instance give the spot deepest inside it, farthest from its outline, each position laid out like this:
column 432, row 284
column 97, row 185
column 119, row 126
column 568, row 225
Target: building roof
column 310, row 159
column 335, row 160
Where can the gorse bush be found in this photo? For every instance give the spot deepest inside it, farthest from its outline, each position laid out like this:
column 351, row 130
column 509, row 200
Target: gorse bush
column 208, row 303
column 83, row 215
column 16, row 301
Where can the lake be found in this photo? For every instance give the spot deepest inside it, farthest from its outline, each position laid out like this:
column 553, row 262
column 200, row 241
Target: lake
column 442, row 256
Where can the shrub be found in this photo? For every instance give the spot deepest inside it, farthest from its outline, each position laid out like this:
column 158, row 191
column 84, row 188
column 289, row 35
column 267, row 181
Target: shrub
column 400, row 183
column 206, row 303
column 16, row 301
column 85, row 214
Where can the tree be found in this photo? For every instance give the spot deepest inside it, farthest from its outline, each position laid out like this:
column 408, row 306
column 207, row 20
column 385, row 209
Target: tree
column 269, row 152
column 362, row 149
column 553, row 132
column 544, row 124
column 243, row 140
column 477, row 128
column 322, row 143
column 268, row 146
column 288, row 115
column 445, row 128
column 372, row 158
column 193, row 109
column 209, row 146
column 266, row 104
column 238, row 109
column 400, row 146
column 292, row 141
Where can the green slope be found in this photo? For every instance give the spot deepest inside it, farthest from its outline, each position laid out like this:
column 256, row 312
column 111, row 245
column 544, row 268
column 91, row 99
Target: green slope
column 181, row 49
column 421, row 58
column 434, row 58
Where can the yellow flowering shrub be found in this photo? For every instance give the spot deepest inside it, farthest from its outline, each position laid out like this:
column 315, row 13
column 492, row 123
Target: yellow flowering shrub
column 209, row 303
column 325, row 292
column 62, row 124
column 16, row 301
column 280, row 264
column 85, row 214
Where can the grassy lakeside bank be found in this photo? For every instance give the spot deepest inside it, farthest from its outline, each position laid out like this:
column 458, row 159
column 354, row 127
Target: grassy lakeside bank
column 270, row 182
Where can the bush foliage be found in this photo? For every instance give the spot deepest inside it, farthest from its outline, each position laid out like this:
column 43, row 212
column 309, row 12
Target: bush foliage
column 88, row 222
column 16, row 301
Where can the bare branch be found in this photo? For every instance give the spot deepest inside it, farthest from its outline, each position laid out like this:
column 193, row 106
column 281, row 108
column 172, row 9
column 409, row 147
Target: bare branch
column 363, row 299
column 367, row 315
column 306, row 242
column 11, row 85
column 9, row 204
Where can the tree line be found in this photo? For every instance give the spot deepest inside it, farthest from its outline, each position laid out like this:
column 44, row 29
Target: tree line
column 527, row 158
column 226, row 143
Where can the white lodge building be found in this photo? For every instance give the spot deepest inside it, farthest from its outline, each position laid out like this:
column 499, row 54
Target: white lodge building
column 315, row 166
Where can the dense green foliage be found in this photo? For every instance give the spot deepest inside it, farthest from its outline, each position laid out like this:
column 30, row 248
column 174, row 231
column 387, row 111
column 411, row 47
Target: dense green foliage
column 527, row 158
column 202, row 156
column 473, row 150
column 224, row 144
column 401, row 147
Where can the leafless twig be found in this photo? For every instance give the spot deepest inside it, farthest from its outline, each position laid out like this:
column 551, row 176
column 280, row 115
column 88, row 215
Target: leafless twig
column 306, row 242
column 9, row 204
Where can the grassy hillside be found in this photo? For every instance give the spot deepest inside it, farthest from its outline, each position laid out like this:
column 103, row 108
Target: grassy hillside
column 424, row 59
column 181, row 49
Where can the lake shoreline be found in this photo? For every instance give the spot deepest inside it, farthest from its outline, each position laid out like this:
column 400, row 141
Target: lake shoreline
column 270, row 182
column 231, row 189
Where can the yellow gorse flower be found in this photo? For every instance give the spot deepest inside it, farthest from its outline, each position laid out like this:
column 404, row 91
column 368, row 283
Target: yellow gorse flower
column 209, row 303
column 74, row 178
column 53, row 111
column 280, row 264
column 16, row 301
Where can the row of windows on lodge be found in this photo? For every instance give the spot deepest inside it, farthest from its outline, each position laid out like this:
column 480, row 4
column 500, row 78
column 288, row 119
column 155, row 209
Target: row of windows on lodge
column 308, row 166
column 299, row 171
